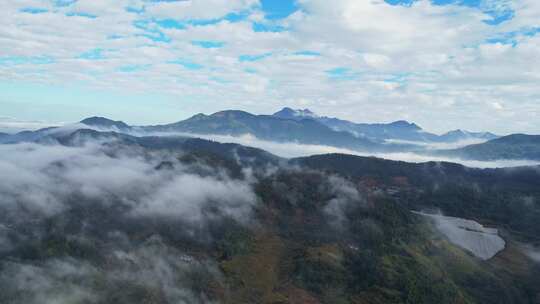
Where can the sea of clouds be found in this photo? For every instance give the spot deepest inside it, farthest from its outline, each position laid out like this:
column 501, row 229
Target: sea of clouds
column 294, row 149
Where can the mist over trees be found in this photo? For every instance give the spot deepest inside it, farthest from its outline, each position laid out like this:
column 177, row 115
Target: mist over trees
column 110, row 220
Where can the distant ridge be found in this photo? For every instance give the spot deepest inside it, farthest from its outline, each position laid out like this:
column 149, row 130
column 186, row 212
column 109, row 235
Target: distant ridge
column 307, row 128
column 102, row 122
column 288, row 113
column 269, row 127
column 515, row 146
column 237, row 122
column 397, row 130
column 457, row 135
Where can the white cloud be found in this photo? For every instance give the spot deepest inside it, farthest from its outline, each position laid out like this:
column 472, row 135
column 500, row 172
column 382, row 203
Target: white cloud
column 40, row 179
column 197, row 9
column 52, row 184
column 451, row 76
column 13, row 125
column 375, row 25
column 99, row 7
column 376, row 60
column 293, row 149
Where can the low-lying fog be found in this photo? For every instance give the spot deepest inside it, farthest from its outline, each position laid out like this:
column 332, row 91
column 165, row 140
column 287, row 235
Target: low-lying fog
column 292, row 149
column 111, row 206
column 436, row 146
column 12, row 125
column 129, row 224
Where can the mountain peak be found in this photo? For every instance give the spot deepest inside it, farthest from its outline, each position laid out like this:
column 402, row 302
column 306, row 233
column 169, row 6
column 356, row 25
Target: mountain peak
column 102, row 122
column 198, row 116
column 518, row 138
column 289, row 113
column 405, row 124
column 459, row 134
column 286, row 110
column 456, row 132
column 232, row 114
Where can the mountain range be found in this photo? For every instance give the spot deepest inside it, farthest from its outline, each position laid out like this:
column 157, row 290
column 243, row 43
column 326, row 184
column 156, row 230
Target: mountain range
column 270, row 128
column 397, row 130
column 305, row 127
column 515, row 146
column 300, row 125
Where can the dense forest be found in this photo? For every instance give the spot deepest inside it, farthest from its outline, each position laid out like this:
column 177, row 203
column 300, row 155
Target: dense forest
column 324, row 229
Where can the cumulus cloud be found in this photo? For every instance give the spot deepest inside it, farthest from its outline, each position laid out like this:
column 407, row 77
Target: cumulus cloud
column 433, row 27
column 193, row 9
column 425, row 62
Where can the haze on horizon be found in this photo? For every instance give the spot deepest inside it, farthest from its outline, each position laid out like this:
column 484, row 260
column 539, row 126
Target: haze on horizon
column 442, row 64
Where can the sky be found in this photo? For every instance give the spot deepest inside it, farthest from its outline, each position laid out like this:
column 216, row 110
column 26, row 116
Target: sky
column 443, row 64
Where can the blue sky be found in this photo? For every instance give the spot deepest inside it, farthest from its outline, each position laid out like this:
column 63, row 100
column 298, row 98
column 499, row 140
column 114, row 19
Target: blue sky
column 444, row 64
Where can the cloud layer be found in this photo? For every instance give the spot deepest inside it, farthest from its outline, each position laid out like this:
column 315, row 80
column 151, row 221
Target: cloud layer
column 443, row 66
column 292, row 149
